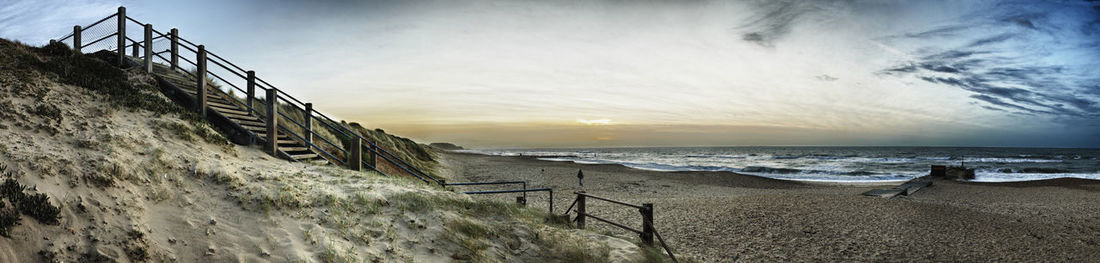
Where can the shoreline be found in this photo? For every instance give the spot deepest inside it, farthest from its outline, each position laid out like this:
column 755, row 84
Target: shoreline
column 726, row 216
column 806, row 181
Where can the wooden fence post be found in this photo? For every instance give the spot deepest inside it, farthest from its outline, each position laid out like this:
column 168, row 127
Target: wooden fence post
column 355, row 161
column 271, row 147
column 251, row 90
column 552, row 201
column 175, row 35
column 76, row 38
column 200, row 87
column 148, row 48
column 308, row 135
column 121, row 49
column 647, row 223
column 581, row 213
column 135, row 50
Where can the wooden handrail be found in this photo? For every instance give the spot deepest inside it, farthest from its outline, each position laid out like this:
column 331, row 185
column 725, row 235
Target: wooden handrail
column 609, row 222
column 177, row 41
column 609, row 200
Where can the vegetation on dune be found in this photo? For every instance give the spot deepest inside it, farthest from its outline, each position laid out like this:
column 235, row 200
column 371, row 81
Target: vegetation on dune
column 28, row 65
column 19, row 199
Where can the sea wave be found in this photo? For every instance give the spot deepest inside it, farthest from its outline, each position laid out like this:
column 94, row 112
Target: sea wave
column 1009, row 160
column 841, row 165
column 983, row 176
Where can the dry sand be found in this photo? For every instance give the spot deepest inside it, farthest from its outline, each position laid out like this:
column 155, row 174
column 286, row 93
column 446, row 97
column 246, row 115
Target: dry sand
column 722, row 217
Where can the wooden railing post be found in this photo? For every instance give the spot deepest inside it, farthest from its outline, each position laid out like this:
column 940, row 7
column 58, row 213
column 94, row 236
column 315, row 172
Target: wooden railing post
column 148, row 48
column 373, row 156
column 581, row 213
column 355, row 161
column 76, row 38
column 271, row 147
column 251, row 91
column 121, row 49
column 135, row 50
column 200, row 87
column 175, row 37
column 308, row 135
column 647, row 223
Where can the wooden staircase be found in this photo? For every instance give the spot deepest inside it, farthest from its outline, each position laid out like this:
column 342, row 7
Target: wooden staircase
column 233, row 116
column 296, row 139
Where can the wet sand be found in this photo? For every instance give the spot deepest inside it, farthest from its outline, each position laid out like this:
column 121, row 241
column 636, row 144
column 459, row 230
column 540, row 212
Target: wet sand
column 723, row 217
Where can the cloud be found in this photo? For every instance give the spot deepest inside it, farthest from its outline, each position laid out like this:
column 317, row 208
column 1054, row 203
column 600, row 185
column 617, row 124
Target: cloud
column 992, row 40
column 37, row 21
column 1037, row 64
column 594, row 122
column 774, row 20
column 824, row 77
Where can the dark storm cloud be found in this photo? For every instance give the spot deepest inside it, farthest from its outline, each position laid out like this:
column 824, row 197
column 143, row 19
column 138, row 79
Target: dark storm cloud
column 1006, row 61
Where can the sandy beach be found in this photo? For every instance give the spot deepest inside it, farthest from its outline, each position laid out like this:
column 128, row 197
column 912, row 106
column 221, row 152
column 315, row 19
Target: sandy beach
column 723, row 217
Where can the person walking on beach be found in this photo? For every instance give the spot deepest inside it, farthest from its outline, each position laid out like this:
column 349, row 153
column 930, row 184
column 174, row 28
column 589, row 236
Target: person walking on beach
column 580, row 177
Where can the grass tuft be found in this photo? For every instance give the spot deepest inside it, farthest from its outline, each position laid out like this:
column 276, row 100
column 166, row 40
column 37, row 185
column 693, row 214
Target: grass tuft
column 35, row 205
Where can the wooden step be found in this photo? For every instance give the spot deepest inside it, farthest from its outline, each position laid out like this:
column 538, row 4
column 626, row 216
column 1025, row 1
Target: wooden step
column 281, row 137
column 229, row 111
column 249, row 123
column 255, row 129
column 294, row 149
column 223, row 105
column 242, row 117
column 287, row 142
column 304, row 156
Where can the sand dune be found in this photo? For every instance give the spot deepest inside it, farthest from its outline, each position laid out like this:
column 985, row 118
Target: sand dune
column 137, row 185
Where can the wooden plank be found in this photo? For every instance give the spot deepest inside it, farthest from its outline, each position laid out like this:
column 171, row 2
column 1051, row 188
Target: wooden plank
column 239, row 117
column 221, row 104
column 230, row 111
column 914, row 186
column 245, row 122
column 287, row 142
column 255, row 129
column 281, row 136
column 883, row 192
column 304, row 156
column 293, row 149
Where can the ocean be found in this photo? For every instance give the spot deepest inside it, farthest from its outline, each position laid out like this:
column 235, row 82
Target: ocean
column 837, row 164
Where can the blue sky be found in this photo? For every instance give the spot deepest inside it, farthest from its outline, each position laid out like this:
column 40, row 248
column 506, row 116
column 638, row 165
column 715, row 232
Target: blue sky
column 651, row 73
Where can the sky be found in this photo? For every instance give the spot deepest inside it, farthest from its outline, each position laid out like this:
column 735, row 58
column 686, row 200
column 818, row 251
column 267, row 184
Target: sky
column 609, row 73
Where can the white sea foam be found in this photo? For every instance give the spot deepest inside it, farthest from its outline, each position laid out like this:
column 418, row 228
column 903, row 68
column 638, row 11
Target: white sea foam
column 1009, row 160
column 1020, row 177
column 832, row 164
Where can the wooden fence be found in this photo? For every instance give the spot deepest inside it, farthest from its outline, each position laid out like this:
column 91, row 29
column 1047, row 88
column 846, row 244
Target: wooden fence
column 647, row 233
